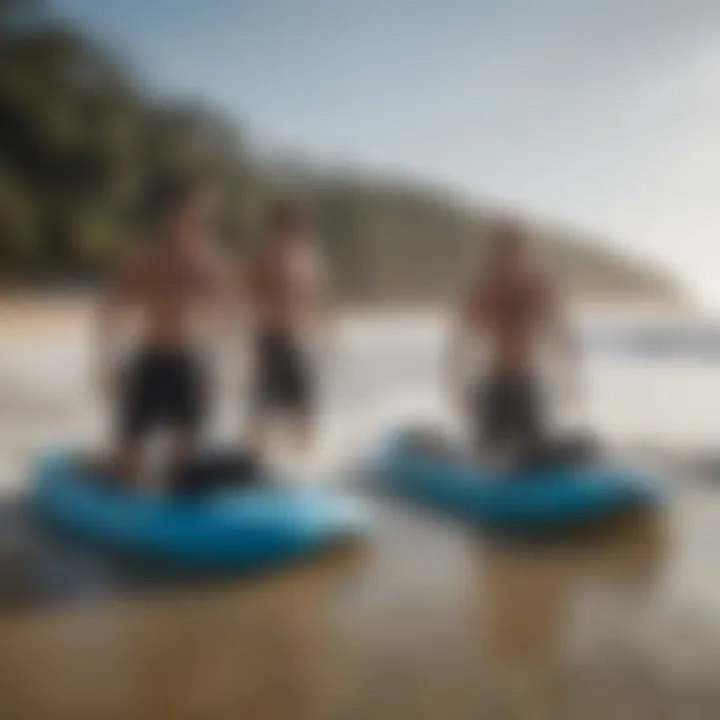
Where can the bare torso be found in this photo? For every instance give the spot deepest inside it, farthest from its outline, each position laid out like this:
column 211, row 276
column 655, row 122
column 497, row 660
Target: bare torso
column 169, row 291
column 509, row 315
column 284, row 284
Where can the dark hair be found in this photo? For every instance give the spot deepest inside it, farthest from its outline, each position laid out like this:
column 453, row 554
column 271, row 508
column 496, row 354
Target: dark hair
column 165, row 193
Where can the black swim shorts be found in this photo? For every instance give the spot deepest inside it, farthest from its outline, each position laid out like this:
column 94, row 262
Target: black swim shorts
column 162, row 388
column 283, row 376
column 508, row 411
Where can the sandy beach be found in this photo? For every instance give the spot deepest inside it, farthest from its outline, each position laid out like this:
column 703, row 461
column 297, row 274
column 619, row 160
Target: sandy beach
column 430, row 621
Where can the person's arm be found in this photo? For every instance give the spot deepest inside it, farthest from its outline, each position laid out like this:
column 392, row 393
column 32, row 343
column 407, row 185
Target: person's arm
column 243, row 313
column 243, row 299
column 564, row 340
column 227, row 302
column 112, row 314
column 463, row 330
column 223, row 322
column 321, row 311
column 325, row 308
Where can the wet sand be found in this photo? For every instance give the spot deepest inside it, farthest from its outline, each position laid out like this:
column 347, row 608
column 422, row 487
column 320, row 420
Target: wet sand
column 431, row 620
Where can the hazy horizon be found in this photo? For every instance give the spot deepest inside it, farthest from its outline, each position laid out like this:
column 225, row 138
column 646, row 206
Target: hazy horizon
column 600, row 115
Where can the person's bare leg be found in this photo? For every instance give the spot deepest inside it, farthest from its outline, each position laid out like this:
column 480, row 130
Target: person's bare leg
column 183, row 445
column 302, row 435
column 256, row 435
column 123, row 465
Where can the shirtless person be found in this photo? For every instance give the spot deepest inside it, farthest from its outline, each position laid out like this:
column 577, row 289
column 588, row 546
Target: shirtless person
column 162, row 291
column 286, row 294
column 511, row 307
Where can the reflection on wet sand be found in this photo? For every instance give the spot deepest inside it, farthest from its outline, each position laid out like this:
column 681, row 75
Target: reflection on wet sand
column 531, row 609
column 250, row 649
column 429, row 622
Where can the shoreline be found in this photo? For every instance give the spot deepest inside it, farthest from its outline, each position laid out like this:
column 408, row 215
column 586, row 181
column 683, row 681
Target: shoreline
column 24, row 296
